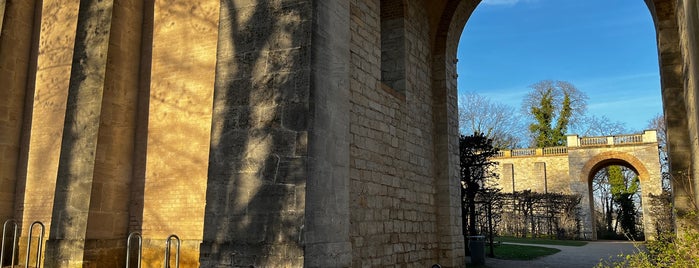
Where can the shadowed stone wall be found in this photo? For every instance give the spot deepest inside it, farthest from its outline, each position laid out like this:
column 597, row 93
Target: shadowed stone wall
column 259, row 131
column 257, row 173
column 686, row 200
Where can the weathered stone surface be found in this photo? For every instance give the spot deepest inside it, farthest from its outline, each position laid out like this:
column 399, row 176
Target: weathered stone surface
column 261, row 131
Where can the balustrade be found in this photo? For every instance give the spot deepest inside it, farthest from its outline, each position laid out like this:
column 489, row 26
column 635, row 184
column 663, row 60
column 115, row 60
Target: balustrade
column 575, row 141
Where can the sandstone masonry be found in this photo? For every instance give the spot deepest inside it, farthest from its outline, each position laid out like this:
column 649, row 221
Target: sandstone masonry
column 319, row 133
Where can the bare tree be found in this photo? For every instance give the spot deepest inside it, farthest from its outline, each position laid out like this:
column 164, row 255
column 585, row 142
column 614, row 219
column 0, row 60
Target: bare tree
column 658, row 123
column 497, row 121
column 601, row 126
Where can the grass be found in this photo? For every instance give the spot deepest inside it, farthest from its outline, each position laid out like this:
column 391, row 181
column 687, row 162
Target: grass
column 520, row 252
column 537, row 241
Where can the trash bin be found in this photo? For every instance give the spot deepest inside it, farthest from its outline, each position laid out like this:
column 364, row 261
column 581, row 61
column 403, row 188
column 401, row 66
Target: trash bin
column 476, row 245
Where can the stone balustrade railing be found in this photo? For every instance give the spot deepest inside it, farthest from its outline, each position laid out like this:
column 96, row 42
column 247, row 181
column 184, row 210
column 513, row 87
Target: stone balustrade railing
column 574, row 141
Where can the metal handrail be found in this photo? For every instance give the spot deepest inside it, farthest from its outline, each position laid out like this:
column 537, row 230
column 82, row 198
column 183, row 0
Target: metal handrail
column 167, row 251
column 29, row 244
column 128, row 248
column 14, row 241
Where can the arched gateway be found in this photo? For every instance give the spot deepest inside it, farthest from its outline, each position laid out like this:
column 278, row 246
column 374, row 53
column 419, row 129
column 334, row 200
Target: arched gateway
column 570, row 169
column 318, row 133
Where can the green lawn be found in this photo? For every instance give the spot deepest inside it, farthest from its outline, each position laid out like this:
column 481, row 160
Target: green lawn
column 519, row 252
column 537, row 241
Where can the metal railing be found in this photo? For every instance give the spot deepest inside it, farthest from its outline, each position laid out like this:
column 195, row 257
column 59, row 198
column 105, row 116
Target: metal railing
column 14, row 241
column 167, row 251
column 128, row 248
column 168, row 248
column 29, row 244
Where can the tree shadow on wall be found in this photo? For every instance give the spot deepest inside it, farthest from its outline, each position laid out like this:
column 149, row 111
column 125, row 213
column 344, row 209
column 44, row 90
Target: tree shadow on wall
column 257, row 160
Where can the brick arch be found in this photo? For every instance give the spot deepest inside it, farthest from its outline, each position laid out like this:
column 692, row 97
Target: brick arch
column 597, row 162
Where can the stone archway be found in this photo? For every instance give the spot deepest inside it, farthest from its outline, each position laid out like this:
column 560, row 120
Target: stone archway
column 676, row 25
column 649, row 179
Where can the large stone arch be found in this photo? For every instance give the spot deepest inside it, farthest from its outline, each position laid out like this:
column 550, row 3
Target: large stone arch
column 676, row 24
column 451, row 19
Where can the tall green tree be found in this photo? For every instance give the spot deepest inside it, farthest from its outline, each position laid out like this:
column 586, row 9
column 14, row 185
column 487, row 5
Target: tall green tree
column 553, row 107
column 622, row 190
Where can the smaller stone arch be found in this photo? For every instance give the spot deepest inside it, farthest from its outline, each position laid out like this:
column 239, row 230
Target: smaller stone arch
column 597, row 162
column 603, row 159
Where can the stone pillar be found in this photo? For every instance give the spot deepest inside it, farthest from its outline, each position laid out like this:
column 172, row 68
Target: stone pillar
column 677, row 117
column 573, row 141
column 508, row 178
column 65, row 247
column 107, row 223
column 180, row 95
column 687, row 14
column 16, row 47
column 540, row 177
column 45, row 111
column 587, row 230
column 650, row 136
column 259, row 167
column 327, row 215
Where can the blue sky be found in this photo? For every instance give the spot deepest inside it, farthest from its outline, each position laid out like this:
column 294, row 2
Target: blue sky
column 606, row 48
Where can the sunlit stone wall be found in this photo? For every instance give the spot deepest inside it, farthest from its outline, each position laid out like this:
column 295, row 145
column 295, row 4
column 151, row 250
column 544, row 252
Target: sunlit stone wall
column 15, row 49
column 183, row 64
column 392, row 189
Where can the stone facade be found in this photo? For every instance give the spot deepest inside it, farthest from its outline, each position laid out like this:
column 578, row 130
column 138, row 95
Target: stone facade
column 570, row 170
column 266, row 133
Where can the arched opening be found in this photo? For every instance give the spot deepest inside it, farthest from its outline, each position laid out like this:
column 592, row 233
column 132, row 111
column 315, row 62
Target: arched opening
column 452, row 19
column 648, row 181
column 608, row 55
column 616, row 203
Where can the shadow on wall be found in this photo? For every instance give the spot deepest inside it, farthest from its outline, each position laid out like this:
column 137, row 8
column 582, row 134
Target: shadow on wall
column 257, row 163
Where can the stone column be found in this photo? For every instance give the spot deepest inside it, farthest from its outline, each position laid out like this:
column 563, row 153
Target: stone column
column 327, row 215
column 180, row 95
column 679, row 145
column 259, row 165
column 587, row 230
column 65, row 247
column 16, row 47
column 47, row 92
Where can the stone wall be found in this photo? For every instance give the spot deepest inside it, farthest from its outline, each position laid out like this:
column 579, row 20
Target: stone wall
column 259, row 132
column 257, row 165
column 45, row 112
column 688, row 21
column 16, row 49
column 540, row 174
column 572, row 173
column 393, row 221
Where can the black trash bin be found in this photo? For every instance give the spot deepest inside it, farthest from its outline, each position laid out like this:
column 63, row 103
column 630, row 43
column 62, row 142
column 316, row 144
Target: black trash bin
column 476, row 245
